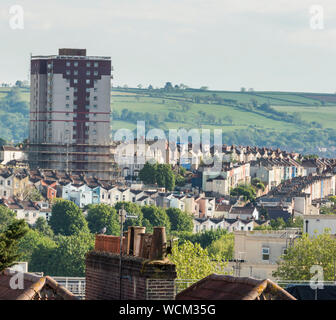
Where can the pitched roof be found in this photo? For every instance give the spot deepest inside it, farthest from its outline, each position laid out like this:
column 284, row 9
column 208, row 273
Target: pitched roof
column 277, row 212
column 34, row 288
column 221, row 287
column 242, row 210
column 223, row 207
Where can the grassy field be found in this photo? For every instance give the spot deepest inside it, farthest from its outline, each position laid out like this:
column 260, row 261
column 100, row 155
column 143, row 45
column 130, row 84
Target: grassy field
column 290, row 103
column 294, row 119
column 138, row 100
column 325, row 115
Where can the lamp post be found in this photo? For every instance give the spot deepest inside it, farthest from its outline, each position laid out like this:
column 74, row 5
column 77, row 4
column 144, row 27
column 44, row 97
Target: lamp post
column 123, row 215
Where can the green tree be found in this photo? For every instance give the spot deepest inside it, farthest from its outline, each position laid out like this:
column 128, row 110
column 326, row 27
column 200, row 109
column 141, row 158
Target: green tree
column 157, row 217
column 7, row 217
column 296, row 264
column 132, row 209
column 69, row 256
column 264, row 212
column 333, row 199
column 102, row 215
column 148, row 173
column 194, row 262
column 42, row 226
column 327, row 210
column 33, row 194
column 67, row 218
column 296, row 222
column 247, row 191
column 168, row 87
column 179, row 220
column 205, row 239
column 223, row 247
column 165, row 176
column 37, row 249
column 182, row 171
column 256, row 182
column 148, row 225
column 9, row 253
column 278, row 224
column 179, row 180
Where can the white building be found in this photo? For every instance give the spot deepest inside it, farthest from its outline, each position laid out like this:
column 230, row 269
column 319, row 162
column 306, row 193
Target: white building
column 318, row 224
column 9, row 153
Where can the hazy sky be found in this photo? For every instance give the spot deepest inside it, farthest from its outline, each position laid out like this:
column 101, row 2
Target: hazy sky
column 222, row 44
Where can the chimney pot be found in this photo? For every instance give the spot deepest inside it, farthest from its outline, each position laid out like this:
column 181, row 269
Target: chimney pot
column 159, row 244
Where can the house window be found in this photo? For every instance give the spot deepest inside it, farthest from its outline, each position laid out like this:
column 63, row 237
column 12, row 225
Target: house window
column 265, row 254
column 5, row 193
column 75, row 81
column 8, row 183
column 96, row 64
column 76, row 73
column 242, row 228
column 68, row 64
column 87, row 81
column 68, row 72
column 88, row 73
column 76, row 64
column 88, row 64
column 1, row 182
column 284, row 251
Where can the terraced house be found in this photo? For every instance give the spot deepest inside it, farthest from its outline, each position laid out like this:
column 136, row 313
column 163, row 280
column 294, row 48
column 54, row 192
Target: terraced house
column 229, row 177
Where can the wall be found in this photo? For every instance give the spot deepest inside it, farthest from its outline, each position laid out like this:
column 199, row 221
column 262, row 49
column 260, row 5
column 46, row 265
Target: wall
column 256, row 271
column 248, row 245
column 319, row 223
column 142, row 279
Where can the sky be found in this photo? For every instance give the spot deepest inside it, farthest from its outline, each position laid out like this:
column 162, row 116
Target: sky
column 279, row 45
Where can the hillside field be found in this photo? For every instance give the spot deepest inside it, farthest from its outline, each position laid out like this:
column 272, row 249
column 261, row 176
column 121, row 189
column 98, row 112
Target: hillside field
column 292, row 120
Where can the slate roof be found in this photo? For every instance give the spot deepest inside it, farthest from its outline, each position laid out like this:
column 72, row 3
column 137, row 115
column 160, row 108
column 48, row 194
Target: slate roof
column 277, row 212
column 242, row 210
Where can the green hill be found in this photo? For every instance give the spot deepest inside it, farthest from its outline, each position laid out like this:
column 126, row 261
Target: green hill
column 290, row 120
